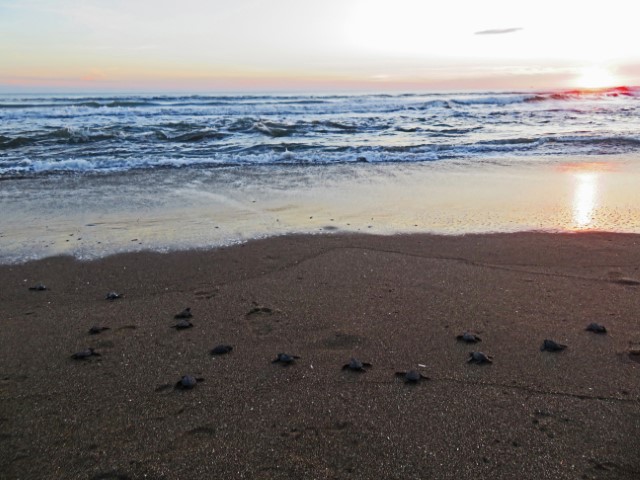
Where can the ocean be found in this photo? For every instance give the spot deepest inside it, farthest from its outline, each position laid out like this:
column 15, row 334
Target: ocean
column 90, row 176
column 86, row 134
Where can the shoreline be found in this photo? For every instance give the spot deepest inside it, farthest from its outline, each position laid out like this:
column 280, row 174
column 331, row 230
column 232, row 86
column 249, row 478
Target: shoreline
column 395, row 301
column 94, row 216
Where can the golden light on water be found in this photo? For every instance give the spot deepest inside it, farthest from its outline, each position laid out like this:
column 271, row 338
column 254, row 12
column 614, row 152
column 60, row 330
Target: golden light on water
column 585, row 199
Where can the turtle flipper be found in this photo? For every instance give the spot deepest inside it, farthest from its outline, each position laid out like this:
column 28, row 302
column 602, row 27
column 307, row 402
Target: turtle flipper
column 400, row 374
column 365, row 364
column 345, row 367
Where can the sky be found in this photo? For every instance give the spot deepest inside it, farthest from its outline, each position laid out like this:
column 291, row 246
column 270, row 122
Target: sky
column 328, row 45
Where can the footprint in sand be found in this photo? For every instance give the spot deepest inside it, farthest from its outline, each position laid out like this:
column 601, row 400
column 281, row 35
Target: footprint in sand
column 258, row 322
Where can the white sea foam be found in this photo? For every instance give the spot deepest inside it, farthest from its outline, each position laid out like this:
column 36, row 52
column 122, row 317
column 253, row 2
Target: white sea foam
column 57, row 134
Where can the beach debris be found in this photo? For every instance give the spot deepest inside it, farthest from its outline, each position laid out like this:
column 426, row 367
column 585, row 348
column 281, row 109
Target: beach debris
column 479, row 358
column 469, row 338
column 551, row 346
column 38, row 287
column 95, row 330
column 412, row 376
column 221, row 349
column 285, row 359
column 186, row 313
column 84, row 354
column 182, row 324
column 187, row 382
column 596, row 328
column 627, row 281
column 356, row 365
column 113, row 295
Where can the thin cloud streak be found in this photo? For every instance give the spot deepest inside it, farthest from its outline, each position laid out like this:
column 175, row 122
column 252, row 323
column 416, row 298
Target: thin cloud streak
column 498, row 31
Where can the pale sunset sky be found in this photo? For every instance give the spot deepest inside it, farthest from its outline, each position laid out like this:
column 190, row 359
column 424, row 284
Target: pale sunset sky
column 298, row 45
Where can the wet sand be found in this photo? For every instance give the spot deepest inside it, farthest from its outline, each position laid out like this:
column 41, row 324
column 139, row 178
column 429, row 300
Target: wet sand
column 92, row 216
column 394, row 301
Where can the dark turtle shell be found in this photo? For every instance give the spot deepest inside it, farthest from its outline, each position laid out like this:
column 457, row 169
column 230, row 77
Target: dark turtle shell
column 89, row 352
column 551, row 346
column 221, row 349
column 412, row 376
column 96, row 330
column 596, row 328
column 38, row 287
column 356, row 365
column 469, row 338
column 285, row 358
column 187, row 382
column 113, row 295
column 479, row 358
column 182, row 324
column 186, row 313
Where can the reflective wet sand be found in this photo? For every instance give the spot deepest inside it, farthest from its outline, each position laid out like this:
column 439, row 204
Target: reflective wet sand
column 89, row 216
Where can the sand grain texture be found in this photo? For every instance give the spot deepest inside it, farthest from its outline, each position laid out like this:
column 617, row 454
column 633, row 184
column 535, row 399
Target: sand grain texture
column 395, row 301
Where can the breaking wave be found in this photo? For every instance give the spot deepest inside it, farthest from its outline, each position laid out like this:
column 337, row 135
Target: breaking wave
column 55, row 134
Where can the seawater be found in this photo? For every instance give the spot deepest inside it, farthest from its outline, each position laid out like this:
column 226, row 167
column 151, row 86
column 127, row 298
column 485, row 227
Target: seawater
column 109, row 133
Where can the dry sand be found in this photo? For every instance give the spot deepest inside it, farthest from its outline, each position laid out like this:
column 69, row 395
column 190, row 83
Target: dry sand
column 396, row 301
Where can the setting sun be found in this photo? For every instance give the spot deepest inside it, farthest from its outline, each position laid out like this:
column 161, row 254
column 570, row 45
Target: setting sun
column 597, row 77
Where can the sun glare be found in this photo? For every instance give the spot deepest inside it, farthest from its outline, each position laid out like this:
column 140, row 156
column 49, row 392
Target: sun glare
column 596, row 77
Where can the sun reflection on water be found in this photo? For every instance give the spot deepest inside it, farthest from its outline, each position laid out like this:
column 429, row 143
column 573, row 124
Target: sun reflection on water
column 585, row 198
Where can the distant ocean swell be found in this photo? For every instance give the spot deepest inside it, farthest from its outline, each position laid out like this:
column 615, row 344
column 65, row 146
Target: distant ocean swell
column 48, row 134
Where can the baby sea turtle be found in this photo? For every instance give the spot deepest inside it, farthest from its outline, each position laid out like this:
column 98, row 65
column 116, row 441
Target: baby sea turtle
column 96, row 330
column 89, row 352
column 187, row 382
column 551, row 346
column 412, row 376
column 221, row 349
column 113, row 296
column 285, row 358
column 356, row 365
column 38, row 287
column 182, row 324
column 469, row 338
column 479, row 358
column 186, row 313
column 596, row 328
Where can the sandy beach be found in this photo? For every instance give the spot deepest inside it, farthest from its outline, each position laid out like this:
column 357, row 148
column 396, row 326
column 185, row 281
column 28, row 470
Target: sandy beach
column 397, row 302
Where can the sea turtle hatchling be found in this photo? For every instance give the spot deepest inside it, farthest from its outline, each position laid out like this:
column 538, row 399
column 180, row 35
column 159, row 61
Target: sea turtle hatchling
column 469, row 338
column 551, row 346
column 356, row 365
column 479, row 358
column 221, row 349
column 186, row 313
column 412, row 376
column 182, row 324
column 95, row 330
column 113, row 296
column 596, row 328
column 38, row 287
column 84, row 354
column 285, row 359
column 187, row 382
